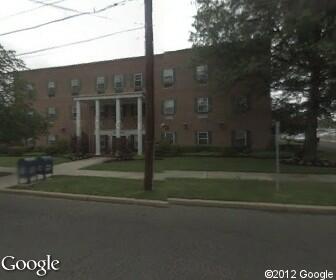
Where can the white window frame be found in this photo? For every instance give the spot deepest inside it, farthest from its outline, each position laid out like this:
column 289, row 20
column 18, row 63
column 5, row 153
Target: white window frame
column 51, row 84
column 51, row 139
column 203, row 102
column 75, row 83
column 241, row 134
column 51, row 88
column 30, row 142
column 199, row 139
column 168, row 77
column 121, row 81
column 101, row 82
column 138, row 78
column 166, row 109
column 52, row 112
column 170, row 135
column 30, row 87
column 75, row 86
column 202, row 73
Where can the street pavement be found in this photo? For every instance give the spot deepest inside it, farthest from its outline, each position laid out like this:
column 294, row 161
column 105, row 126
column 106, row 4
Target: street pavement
column 99, row 241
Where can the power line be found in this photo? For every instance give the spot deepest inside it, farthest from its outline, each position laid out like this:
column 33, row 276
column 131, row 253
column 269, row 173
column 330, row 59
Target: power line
column 52, row 5
column 30, row 10
column 66, row 18
column 81, row 42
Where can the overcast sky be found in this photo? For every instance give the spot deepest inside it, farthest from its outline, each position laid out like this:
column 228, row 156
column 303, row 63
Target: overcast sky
column 172, row 26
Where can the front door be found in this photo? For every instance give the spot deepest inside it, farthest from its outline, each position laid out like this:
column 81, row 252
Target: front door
column 104, row 144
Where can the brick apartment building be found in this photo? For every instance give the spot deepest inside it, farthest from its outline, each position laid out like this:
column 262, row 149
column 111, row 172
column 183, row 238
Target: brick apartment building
column 105, row 100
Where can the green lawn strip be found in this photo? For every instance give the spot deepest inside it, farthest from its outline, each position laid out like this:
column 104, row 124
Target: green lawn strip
column 96, row 186
column 307, row 193
column 6, row 161
column 11, row 161
column 210, row 164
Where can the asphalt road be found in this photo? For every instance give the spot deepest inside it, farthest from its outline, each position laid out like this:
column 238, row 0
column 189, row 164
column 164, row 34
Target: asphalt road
column 100, row 241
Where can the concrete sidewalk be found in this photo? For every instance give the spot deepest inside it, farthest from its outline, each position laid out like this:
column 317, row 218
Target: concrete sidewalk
column 203, row 175
column 74, row 169
column 8, row 181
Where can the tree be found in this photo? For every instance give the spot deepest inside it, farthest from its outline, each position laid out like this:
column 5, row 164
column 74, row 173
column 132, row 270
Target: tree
column 19, row 120
column 289, row 45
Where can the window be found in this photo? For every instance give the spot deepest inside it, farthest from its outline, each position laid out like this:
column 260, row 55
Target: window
column 51, row 139
column 113, row 112
column 202, row 74
column 75, row 86
column 73, row 112
column 30, row 142
column 30, row 88
column 168, row 77
column 169, row 137
column 138, row 83
column 203, row 138
column 133, row 109
column 100, row 84
column 202, row 105
column 241, row 104
column 51, row 112
column 51, row 88
column 118, row 83
column 169, row 107
column 240, row 138
column 104, row 111
column 123, row 112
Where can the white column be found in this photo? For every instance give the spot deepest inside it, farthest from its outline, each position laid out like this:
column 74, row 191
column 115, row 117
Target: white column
column 97, row 128
column 78, row 120
column 139, row 111
column 118, row 117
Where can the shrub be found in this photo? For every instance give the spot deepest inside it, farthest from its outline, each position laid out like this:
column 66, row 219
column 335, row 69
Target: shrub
column 229, row 152
column 17, row 150
column 3, row 149
column 60, row 147
column 200, row 148
column 35, row 154
column 83, row 147
column 165, row 149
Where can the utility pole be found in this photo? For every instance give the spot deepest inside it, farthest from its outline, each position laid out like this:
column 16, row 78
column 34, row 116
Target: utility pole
column 149, row 139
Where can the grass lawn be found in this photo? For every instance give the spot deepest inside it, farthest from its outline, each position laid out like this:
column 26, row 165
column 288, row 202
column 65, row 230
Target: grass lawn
column 309, row 193
column 11, row 161
column 210, row 164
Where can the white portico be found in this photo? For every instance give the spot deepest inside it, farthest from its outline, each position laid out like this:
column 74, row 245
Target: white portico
column 117, row 99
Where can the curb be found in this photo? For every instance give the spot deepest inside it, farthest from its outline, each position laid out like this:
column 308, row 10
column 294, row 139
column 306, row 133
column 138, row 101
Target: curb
column 91, row 198
column 274, row 207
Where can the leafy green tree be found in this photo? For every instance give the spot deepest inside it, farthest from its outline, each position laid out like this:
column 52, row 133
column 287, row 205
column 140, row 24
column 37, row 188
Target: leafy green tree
column 289, row 45
column 19, row 120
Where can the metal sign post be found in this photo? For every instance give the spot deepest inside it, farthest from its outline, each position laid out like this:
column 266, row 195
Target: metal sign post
column 277, row 154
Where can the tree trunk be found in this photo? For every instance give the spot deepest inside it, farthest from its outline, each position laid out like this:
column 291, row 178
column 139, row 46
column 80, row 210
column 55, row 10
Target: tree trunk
column 311, row 141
